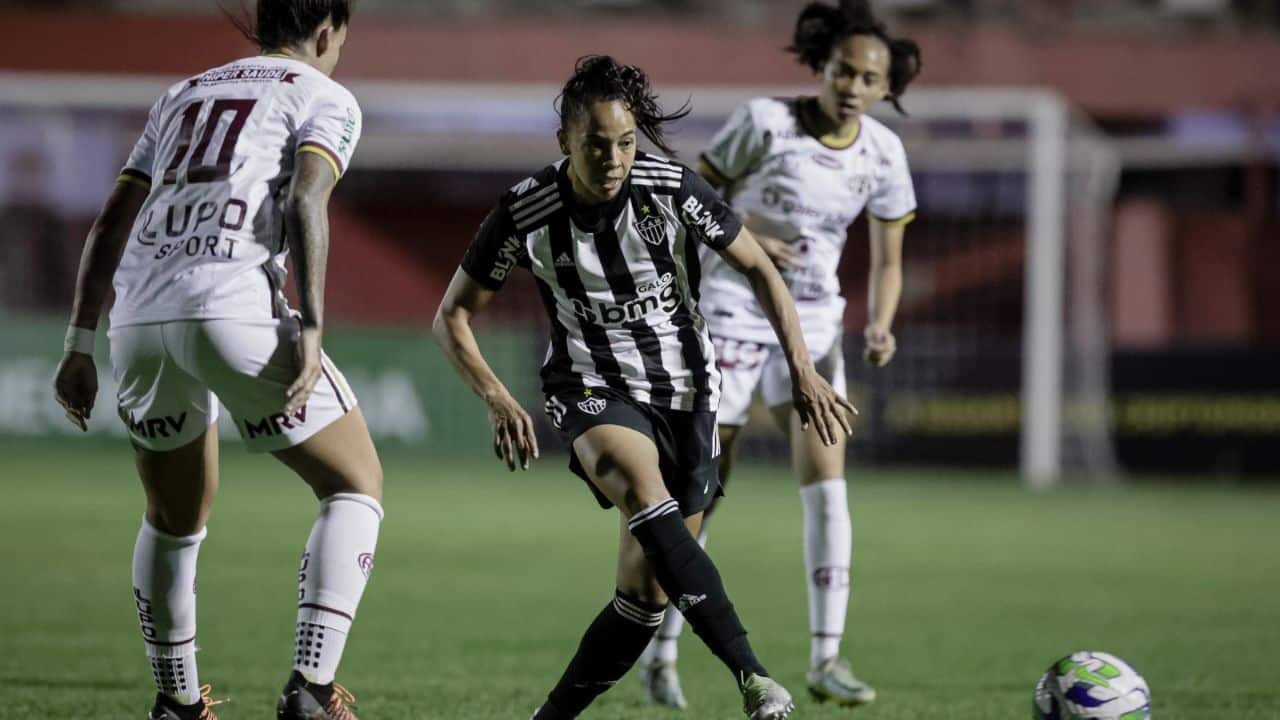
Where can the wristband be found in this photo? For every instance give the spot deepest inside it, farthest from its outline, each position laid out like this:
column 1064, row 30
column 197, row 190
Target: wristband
column 79, row 340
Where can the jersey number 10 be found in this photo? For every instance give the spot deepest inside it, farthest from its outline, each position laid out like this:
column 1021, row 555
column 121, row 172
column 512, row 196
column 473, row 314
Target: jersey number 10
column 199, row 171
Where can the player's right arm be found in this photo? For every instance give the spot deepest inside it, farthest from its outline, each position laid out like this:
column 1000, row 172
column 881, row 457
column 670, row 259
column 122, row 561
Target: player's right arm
column 513, row 435
column 736, row 151
column 75, row 385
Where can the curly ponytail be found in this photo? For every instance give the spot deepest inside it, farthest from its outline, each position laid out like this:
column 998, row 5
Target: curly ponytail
column 600, row 77
column 820, row 27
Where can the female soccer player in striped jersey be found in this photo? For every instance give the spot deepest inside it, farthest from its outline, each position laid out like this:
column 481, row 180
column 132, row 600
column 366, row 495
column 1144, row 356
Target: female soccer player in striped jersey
column 233, row 162
column 800, row 170
column 611, row 236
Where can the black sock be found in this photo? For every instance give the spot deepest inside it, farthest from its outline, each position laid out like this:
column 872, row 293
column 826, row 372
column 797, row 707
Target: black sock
column 607, row 651
column 688, row 576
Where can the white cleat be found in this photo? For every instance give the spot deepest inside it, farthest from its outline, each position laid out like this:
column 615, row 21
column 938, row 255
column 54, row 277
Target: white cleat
column 833, row 680
column 765, row 699
column 662, row 685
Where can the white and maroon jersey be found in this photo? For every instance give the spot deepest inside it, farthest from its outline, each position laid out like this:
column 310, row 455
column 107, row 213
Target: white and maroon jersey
column 790, row 185
column 619, row 281
column 218, row 155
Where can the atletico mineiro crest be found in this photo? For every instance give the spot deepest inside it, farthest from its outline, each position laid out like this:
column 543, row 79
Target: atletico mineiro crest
column 653, row 228
column 592, row 406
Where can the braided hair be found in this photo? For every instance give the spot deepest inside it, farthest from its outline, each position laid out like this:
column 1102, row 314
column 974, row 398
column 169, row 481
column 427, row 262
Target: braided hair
column 820, row 27
column 285, row 23
column 601, row 78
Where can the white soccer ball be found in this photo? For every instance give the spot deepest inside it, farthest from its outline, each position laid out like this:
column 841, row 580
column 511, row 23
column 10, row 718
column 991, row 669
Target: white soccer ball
column 1091, row 686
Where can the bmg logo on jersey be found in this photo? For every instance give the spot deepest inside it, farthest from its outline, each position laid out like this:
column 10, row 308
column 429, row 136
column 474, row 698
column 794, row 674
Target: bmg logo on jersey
column 661, row 294
column 275, row 424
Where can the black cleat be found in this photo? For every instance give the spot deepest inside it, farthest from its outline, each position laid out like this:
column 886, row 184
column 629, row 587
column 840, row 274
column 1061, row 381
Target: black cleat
column 302, row 700
column 166, row 708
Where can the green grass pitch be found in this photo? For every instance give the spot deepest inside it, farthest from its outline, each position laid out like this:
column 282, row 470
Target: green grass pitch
column 965, row 588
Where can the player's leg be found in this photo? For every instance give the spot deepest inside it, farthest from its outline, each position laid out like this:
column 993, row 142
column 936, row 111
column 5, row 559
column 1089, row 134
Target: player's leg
column 828, row 536
column 341, row 466
column 740, row 364
column 170, row 416
column 327, row 444
column 658, row 662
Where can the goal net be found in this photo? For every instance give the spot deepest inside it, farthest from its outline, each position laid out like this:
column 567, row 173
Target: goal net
column 1003, row 343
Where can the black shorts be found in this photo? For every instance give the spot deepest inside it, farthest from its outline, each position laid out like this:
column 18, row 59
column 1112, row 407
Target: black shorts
column 687, row 442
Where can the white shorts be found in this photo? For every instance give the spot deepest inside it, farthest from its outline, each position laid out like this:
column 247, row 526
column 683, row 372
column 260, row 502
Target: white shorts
column 746, row 366
column 172, row 375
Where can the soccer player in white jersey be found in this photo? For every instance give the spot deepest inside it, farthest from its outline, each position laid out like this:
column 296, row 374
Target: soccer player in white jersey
column 799, row 171
column 611, row 236
column 233, row 171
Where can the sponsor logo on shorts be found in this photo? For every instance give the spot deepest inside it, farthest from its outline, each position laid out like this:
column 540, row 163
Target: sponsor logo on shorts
column 365, row 561
column 592, row 406
column 687, row 601
column 156, row 427
column 275, row 424
column 831, row 577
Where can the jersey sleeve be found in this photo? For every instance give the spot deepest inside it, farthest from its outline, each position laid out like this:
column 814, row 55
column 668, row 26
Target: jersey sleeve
column 495, row 250
column 894, row 200
column 332, row 128
column 142, row 160
column 704, row 214
column 737, row 148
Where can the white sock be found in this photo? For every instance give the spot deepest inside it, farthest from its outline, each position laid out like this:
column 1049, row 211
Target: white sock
column 164, row 596
column 828, row 549
column 664, row 647
column 335, row 568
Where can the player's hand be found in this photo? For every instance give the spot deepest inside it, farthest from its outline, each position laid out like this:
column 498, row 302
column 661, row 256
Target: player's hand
column 880, row 346
column 75, row 386
column 783, row 254
column 309, row 371
column 513, row 436
column 820, row 405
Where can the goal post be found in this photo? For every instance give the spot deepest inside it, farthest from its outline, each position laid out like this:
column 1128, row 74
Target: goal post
column 1003, row 321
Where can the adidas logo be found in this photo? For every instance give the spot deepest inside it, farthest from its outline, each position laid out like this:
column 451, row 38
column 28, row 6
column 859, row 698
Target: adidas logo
column 687, row 601
column 564, row 260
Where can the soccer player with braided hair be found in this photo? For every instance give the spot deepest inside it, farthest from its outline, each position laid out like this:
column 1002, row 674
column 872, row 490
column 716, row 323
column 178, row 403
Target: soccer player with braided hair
column 799, row 171
column 611, row 236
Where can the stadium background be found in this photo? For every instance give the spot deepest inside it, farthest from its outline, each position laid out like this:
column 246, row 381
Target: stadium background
column 1158, row 544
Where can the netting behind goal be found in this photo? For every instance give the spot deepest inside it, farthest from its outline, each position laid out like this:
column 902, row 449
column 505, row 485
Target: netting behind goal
column 1003, row 346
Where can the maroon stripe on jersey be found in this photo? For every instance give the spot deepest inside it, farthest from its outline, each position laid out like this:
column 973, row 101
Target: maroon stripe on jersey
column 313, row 606
column 137, row 175
column 333, row 156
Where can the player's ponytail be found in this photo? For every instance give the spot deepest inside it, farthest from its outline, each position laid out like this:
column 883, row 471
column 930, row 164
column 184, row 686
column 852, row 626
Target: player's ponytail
column 820, row 26
column 285, row 23
column 600, row 77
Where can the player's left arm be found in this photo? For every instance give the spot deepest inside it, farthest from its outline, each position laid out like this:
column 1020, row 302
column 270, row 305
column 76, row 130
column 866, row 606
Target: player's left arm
column 812, row 396
column 889, row 209
column 884, row 288
column 75, row 384
column 306, row 218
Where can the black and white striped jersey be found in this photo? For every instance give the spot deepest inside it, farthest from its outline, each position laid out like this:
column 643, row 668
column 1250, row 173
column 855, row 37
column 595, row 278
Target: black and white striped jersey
column 619, row 280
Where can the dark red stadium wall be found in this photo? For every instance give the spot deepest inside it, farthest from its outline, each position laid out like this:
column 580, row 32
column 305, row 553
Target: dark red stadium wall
column 1107, row 74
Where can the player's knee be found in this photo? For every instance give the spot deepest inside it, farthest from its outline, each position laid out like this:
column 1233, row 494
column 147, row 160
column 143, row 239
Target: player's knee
column 179, row 523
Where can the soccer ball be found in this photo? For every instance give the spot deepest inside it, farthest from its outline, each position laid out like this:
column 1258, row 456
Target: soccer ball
column 1091, row 686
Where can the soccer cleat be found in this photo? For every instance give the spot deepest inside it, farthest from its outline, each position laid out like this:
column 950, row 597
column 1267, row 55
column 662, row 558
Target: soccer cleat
column 166, row 708
column 765, row 699
column 302, row 700
column 833, row 680
column 662, row 685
